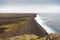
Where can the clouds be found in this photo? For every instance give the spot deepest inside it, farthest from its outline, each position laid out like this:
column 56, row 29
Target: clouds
column 31, row 1
column 32, row 6
column 31, row 9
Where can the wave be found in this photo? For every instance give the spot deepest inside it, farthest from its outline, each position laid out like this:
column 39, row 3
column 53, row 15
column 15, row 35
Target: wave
column 41, row 22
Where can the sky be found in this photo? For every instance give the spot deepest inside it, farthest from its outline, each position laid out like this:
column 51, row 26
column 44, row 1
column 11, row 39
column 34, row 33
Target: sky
column 30, row 6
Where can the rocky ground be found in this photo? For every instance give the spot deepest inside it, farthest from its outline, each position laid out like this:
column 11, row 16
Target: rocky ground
column 34, row 37
column 48, row 37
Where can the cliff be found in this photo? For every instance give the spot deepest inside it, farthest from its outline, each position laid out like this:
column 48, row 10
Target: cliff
column 29, row 27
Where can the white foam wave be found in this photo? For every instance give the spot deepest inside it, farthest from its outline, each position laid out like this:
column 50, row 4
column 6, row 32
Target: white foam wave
column 41, row 22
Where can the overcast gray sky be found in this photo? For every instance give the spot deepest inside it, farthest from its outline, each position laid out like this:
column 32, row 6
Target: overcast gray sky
column 56, row 2
column 37, row 6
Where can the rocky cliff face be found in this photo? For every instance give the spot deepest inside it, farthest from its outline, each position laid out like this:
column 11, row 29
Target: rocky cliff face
column 30, row 27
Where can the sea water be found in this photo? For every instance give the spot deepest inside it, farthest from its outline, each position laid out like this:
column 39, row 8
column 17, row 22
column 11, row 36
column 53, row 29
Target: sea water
column 49, row 21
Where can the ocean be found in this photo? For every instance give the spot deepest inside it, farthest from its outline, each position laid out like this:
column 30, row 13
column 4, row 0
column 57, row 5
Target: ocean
column 49, row 21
